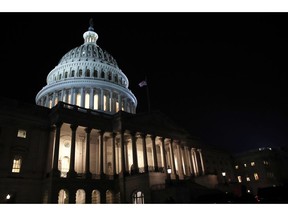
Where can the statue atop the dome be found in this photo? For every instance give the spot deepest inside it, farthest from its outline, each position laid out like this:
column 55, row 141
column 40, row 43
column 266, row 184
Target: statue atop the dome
column 91, row 25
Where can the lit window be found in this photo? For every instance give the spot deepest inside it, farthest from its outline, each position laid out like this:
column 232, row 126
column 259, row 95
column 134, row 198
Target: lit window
column 270, row 174
column 69, row 98
column 105, row 103
column 16, row 164
column 245, row 165
column 239, row 179
column 78, row 99
column 247, row 179
column 96, row 101
column 138, row 197
column 236, row 167
column 87, row 98
column 117, row 106
column 256, row 177
column 265, row 162
column 252, row 163
column 21, row 133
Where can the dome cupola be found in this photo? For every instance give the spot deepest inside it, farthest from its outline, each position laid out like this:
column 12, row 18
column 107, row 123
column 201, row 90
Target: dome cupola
column 89, row 77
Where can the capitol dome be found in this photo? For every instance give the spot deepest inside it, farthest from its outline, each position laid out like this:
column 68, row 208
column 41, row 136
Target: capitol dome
column 89, row 77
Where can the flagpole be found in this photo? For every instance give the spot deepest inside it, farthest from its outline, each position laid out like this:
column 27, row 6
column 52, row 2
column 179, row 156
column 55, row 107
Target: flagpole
column 148, row 95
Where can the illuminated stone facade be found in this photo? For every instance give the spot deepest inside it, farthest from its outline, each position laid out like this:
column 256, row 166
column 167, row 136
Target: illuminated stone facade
column 69, row 154
column 84, row 143
column 88, row 76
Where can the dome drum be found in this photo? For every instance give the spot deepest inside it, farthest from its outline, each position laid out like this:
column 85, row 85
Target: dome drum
column 89, row 77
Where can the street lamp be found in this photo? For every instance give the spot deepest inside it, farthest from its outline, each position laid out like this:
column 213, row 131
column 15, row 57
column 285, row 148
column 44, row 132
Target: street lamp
column 224, row 176
column 8, row 196
column 169, row 170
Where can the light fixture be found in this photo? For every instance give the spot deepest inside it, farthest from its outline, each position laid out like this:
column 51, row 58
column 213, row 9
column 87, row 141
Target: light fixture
column 8, row 196
column 169, row 169
column 223, row 174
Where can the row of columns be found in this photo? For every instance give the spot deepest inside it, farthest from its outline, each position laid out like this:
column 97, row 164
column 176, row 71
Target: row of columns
column 123, row 103
column 186, row 156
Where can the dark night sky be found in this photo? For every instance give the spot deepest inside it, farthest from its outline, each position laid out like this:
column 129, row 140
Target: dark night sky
column 222, row 76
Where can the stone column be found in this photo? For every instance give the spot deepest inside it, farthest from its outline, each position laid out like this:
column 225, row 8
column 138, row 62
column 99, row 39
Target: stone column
column 82, row 93
column 181, row 168
column 101, row 154
column 87, row 165
column 135, row 168
column 71, row 172
column 62, row 94
column 101, row 107
column 119, row 102
column 188, row 155
column 145, row 154
column 173, row 159
column 91, row 102
column 154, row 154
column 53, row 99
column 123, row 166
column 73, row 95
column 164, row 154
column 55, row 170
column 201, row 161
column 110, row 102
column 113, row 153
column 194, row 158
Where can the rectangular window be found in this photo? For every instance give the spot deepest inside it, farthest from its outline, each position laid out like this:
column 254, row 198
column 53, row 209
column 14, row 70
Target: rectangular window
column 245, row 165
column 252, row 163
column 239, row 179
column 21, row 133
column 87, row 101
column 16, row 164
column 96, row 102
column 256, row 177
column 78, row 99
column 117, row 106
column 105, row 103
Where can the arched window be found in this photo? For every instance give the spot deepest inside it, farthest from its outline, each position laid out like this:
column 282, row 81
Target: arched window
column 109, row 197
column 66, row 74
column 102, row 74
column 73, row 73
column 87, row 73
column 64, row 165
column 80, row 73
column 109, row 76
column 63, row 197
column 95, row 197
column 95, row 73
column 80, row 196
column 138, row 197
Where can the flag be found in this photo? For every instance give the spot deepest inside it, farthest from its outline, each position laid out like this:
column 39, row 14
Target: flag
column 143, row 83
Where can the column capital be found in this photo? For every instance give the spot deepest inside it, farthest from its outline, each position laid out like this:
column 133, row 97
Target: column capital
column 132, row 133
column 101, row 132
column 114, row 134
column 73, row 127
column 59, row 124
column 88, row 130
